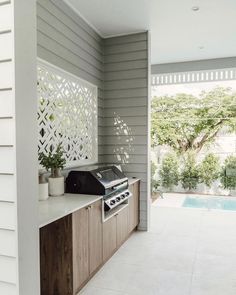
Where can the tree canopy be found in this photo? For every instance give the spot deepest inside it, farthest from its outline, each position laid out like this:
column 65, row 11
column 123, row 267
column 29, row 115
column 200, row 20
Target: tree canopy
column 186, row 122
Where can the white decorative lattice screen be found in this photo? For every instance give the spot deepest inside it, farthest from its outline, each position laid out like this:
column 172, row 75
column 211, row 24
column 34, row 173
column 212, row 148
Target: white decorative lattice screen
column 67, row 114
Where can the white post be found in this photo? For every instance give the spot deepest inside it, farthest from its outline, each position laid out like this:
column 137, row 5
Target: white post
column 25, row 56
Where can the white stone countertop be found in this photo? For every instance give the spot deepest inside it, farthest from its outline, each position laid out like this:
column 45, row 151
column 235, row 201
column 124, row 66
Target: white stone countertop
column 57, row 207
column 133, row 180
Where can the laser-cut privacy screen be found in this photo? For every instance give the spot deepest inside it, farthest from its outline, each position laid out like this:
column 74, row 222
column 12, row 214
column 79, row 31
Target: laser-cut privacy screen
column 67, row 114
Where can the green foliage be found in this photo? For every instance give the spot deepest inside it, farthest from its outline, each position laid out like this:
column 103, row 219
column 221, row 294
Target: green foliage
column 169, row 172
column 154, row 182
column 185, row 122
column 53, row 160
column 190, row 172
column 209, row 169
column 228, row 173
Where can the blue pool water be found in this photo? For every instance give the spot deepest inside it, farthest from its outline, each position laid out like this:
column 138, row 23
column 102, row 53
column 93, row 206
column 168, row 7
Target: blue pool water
column 218, row 203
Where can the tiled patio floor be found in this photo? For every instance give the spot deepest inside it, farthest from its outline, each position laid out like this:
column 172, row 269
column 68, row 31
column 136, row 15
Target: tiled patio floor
column 186, row 252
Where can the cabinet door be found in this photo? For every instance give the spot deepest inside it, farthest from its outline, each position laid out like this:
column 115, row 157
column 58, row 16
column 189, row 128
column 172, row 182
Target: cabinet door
column 131, row 210
column 136, row 199
column 122, row 226
column 95, row 236
column 134, row 206
column 109, row 238
column 80, row 247
column 56, row 258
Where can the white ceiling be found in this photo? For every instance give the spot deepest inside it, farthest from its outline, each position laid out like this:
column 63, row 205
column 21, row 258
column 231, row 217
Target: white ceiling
column 177, row 33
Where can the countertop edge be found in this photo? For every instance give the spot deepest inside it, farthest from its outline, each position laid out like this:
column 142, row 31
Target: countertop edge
column 133, row 180
column 76, row 208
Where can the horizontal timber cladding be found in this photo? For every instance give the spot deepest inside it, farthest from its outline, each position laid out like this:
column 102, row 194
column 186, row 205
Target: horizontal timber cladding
column 119, row 67
column 124, row 138
column 8, row 236
column 65, row 40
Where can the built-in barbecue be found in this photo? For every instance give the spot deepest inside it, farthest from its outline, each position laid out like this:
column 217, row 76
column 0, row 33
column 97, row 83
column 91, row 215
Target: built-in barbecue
column 107, row 181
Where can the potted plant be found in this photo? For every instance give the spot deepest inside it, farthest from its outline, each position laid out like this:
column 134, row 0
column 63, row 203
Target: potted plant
column 54, row 162
column 228, row 175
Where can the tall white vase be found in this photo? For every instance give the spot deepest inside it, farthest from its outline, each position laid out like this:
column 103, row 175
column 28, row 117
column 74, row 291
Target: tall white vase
column 43, row 191
column 56, row 186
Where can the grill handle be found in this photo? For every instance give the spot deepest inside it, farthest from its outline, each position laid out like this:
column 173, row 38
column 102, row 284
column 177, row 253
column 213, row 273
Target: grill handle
column 119, row 186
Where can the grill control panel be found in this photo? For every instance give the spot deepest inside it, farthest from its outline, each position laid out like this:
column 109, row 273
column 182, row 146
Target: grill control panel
column 116, row 200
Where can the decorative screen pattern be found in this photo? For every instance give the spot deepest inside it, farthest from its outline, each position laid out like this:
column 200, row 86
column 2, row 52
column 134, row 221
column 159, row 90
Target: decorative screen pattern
column 67, row 114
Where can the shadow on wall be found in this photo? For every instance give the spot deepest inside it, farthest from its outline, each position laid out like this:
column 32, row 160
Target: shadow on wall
column 124, row 140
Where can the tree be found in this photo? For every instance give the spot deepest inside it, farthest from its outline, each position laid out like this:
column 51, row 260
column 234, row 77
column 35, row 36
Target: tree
column 186, row 122
column 209, row 169
column 190, row 173
column 228, row 173
column 169, row 172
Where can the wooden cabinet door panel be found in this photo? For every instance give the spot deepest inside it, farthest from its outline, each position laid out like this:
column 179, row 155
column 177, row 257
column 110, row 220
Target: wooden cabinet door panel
column 131, row 210
column 109, row 238
column 134, row 207
column 95, row 236
column 80, row 247
column 56, row 258
column 136, row 197
column 122, row 226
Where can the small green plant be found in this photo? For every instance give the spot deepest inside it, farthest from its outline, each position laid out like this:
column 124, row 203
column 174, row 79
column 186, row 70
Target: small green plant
column 54, row 161
column 190, row 172
column 209, row 169
column 228, row 173
column 169, row 172
column 154, row 182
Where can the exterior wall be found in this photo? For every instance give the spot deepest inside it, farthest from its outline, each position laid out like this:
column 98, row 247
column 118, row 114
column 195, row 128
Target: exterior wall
column 124, row 137
column 8, row 198
column 65, row 40
column 18, row 199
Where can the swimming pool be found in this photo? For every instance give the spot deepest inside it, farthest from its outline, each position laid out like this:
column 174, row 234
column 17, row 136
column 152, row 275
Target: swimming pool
column 210, row 203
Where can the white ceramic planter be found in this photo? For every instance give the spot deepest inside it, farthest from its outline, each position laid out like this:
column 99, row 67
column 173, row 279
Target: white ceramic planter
column 43, row 191
column 56, row 186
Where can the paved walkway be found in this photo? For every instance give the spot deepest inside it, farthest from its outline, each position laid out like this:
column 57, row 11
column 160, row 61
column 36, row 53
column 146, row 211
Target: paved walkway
column 186, row 252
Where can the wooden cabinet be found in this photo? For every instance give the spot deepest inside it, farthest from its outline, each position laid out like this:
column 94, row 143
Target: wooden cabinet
column 95, row 236
column 122, row 226
column 115, row 232
column 71, row 250
column 80, row 247
column 56, row 270
column 87, row 243
column 109, row 238
column 134, row 206
column 75, row 246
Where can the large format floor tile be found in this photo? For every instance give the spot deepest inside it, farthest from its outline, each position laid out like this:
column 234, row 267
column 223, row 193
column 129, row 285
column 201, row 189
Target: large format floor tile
column 186, row 252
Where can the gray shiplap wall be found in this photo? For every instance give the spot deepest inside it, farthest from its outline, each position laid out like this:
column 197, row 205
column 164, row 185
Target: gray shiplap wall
column 117, row 65
column 8, row 204
column 66, row 41
column 125, row 133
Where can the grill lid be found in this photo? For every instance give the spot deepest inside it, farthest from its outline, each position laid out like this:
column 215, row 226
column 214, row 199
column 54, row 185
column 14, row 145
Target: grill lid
column 96, row 180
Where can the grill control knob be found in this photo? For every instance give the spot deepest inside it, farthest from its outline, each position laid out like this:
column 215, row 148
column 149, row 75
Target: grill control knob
column 112, row 202
column 118, row 199
column 127, row 194
column 122, row 196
